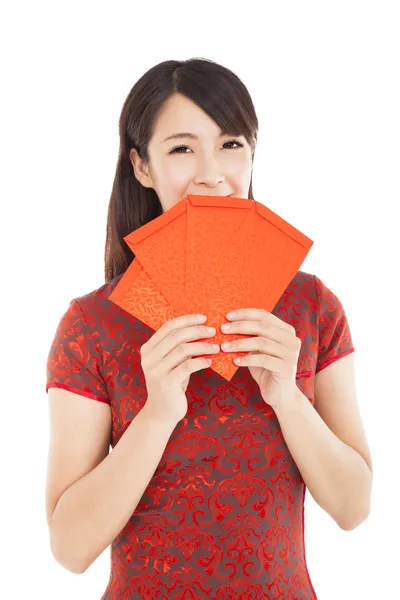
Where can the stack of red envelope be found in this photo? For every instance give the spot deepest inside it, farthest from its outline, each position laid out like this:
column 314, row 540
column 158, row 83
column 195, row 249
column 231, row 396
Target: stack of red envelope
column 210, row 255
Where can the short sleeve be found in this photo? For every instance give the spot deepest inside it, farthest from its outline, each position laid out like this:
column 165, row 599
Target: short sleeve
column 74, row 358
column 334, row 335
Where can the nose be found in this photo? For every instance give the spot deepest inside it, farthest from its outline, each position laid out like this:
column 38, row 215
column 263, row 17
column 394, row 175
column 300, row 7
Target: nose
column 209, row 173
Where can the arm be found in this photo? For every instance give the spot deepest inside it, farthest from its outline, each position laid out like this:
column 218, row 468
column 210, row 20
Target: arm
column 337, row 476
column 93, row 510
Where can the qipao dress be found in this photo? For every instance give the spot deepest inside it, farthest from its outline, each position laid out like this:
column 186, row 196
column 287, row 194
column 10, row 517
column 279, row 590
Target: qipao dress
column 223, row 515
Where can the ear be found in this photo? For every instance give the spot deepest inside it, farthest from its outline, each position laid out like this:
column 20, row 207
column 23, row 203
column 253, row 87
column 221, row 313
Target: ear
column 140, row 169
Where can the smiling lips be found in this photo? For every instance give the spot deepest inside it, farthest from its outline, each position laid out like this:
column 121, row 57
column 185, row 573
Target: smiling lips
column 226, row 196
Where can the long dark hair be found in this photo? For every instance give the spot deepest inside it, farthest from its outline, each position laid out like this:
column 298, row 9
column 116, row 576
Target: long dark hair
column 215, row 89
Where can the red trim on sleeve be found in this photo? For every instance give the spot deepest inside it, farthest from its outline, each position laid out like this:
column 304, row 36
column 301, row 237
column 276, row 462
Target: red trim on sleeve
column 77, row 391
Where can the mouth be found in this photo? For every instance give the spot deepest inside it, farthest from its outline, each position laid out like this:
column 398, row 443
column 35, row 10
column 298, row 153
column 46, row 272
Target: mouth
column 228, row 195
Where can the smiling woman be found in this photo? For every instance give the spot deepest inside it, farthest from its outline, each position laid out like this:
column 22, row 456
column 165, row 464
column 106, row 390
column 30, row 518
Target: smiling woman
column 209, row 110
column 211, row 506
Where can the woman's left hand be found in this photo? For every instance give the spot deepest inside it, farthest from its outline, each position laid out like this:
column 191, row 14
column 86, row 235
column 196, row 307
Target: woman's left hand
column 273, row 353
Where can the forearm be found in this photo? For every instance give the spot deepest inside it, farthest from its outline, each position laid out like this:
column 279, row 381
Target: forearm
column 94, row 510
column 337, row 476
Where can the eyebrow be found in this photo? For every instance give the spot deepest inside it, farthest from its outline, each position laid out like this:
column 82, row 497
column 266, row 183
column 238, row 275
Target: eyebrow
column 186, row 135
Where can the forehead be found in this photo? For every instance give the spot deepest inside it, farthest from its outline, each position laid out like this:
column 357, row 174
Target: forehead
column 180, row 114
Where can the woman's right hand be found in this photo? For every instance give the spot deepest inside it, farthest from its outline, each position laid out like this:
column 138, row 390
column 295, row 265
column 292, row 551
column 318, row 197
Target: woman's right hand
column 167, row 364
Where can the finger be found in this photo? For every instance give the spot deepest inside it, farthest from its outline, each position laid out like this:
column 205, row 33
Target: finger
column 171, row 325
column 265, row 361
column 257, row 344
column 259, row 314
column 259, row 328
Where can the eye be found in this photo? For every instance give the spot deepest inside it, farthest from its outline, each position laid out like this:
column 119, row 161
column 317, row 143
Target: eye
column 239, row 144
column 175, row 150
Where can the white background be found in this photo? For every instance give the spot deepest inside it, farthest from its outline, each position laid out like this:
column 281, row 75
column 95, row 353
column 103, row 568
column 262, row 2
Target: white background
column 324, row 78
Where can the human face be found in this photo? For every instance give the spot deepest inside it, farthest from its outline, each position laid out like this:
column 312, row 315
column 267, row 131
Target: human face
column 209, row 165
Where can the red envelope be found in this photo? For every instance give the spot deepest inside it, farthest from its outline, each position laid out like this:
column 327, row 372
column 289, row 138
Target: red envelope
column 210, row 255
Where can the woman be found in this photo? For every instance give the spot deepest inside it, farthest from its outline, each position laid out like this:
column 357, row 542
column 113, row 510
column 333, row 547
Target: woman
column 202, row 495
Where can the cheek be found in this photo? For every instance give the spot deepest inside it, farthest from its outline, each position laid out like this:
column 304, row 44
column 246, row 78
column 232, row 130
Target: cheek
column 174, row 175
column 173, row 181
column 238, row 171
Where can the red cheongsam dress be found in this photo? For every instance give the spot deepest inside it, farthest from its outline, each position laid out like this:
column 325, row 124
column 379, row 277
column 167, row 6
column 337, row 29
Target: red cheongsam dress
column 223, row 515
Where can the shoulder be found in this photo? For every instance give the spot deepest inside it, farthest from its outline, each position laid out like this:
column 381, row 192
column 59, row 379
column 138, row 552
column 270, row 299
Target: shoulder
column 85, row 320
column 99, row 294
column 76, row 358
column 318, row 315
column 314, row 290
column 302, row 293
column 95, row 303
column 315, row 301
